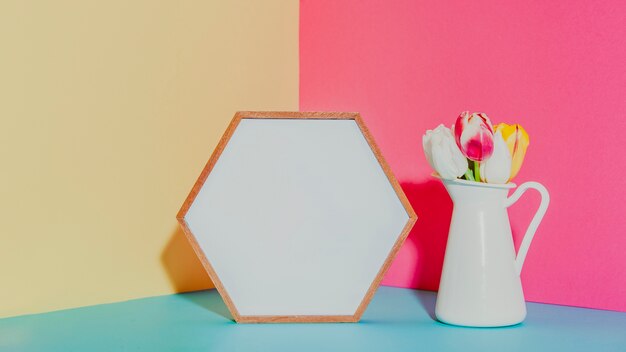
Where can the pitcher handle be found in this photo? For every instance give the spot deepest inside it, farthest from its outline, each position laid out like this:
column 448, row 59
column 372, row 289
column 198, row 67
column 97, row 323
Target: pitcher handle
column 532, row 228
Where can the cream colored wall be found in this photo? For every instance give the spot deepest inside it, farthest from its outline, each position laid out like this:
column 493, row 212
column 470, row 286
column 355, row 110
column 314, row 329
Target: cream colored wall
column 109, row 110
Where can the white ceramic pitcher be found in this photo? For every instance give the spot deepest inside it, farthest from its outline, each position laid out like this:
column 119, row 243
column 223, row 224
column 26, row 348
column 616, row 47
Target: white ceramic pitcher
column 480, row 282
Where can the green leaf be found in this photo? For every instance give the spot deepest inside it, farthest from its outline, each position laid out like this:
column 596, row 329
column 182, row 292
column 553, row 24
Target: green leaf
column 468, row 175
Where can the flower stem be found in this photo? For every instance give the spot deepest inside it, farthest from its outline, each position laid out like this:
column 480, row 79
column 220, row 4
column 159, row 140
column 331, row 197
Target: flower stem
column 477, row 171
column 469, row 175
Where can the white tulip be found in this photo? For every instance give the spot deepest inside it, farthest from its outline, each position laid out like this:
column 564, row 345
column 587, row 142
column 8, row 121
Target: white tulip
column 442, row 153
column 497, row 169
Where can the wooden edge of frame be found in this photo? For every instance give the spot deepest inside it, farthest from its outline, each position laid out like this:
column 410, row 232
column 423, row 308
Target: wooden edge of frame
column 328, row 115
column 231, row 129
column 386, row 169
column 209, row 167
column 209, row 269
column 187, row 204
column 381, row 273
column 255, row 319
column 407, row 227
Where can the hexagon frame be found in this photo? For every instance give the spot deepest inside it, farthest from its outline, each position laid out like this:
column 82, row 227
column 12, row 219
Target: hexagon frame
column 412, row 217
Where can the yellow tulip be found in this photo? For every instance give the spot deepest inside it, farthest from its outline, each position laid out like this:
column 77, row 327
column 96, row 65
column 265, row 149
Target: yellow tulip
column 517, row 140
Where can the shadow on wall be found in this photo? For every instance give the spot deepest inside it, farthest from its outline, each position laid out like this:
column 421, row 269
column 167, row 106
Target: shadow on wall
column 430, row 233
column 182, row 265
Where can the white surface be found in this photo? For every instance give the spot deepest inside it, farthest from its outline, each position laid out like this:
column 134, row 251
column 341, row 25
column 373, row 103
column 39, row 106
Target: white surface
column 297, row 217
column 480, row 283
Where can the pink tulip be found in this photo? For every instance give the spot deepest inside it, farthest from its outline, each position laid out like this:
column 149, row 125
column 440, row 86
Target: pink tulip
column 474, row 135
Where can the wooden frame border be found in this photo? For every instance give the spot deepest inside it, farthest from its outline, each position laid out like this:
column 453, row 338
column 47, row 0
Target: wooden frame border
column 207, row 170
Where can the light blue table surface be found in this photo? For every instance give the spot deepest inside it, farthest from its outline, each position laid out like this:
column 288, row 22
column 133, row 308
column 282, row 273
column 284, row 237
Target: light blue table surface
column 396, row 320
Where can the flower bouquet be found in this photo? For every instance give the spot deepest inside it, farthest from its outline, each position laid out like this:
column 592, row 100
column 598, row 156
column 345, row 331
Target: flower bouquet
column 480, row 282
column 475, row 150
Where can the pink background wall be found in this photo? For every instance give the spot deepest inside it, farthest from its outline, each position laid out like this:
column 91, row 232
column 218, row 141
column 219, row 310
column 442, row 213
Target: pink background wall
column 557, row 68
